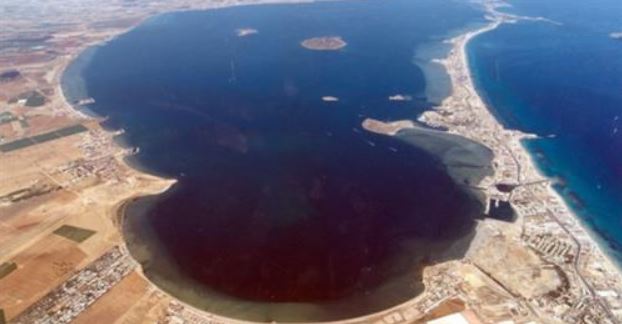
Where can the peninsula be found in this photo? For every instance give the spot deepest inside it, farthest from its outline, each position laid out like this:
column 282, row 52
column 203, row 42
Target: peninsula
column 388, row 128
column 546, row 238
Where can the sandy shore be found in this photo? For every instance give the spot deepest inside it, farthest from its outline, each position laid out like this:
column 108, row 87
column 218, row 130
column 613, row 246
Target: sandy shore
column 540, row 208
column 532, row 166
column 470, row 117
column 466, row 114
column 74, row 111
column 541, row 211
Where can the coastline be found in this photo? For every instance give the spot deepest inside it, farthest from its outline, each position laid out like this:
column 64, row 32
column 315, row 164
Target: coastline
column 581, row 227
column 68, row 60
column 75, row 112
column 468, row 97
column 140, row 182
column 117, row 211
column 540, row 210
column 121, row 213
column 458, row 53
column 164, row 184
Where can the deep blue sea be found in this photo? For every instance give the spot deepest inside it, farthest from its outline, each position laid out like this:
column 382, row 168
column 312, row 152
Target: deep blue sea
column 285, row 208
column 564, row 81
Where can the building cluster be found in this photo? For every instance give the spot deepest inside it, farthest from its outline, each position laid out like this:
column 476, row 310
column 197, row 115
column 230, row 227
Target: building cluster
column 104, row 168
column 555, row 235
column 177, row 313
column 551, row 247
column 98, row 160
column 65, row 302
column 548, row 226
column 588, row 311
column 96, row 144
column 441, row 284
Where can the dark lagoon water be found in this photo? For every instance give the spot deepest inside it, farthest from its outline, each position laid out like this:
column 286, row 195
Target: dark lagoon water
column 564, row 80
column 285, row 208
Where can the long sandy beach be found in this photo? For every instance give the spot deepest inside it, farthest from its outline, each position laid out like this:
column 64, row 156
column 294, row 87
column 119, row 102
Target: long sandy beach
column 466, row 114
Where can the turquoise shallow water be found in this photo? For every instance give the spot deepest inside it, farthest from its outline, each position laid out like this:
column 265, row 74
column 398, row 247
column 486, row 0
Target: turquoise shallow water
column 564, row 82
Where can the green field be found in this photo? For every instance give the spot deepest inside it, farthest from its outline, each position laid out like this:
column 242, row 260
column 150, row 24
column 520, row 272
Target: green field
column 74, row 233
column 25, row 142
column 7, row 268
column 6, row 117
column 35, row 99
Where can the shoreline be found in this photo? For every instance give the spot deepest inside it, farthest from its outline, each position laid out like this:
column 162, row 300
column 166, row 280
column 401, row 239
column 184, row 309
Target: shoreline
column 118, row 212
column 458, row 51
column 76, row 112
column 458, row 68
column 593, row 235
column 459, row 44
column 584, row 227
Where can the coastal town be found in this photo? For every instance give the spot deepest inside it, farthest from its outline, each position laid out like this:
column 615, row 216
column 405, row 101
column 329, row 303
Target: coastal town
column 551, row 270
column 64, row 182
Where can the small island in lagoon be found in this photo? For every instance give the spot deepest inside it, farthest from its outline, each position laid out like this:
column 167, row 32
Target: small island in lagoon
column 328, row 43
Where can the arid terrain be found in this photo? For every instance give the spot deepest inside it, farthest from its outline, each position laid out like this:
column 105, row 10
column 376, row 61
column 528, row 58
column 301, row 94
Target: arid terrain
column 63, row 180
